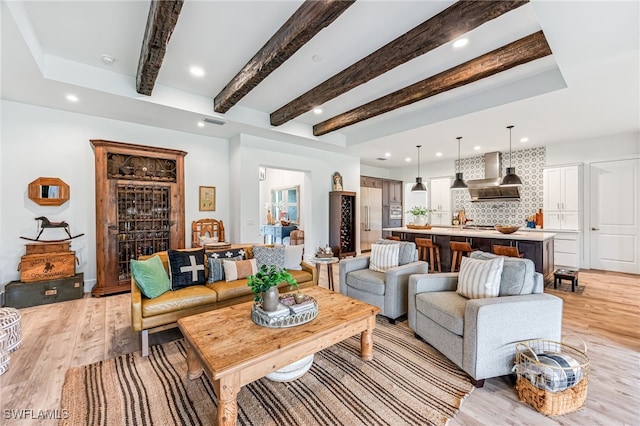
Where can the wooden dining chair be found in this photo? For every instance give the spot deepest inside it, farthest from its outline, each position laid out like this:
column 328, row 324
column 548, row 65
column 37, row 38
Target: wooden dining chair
column 206, row 227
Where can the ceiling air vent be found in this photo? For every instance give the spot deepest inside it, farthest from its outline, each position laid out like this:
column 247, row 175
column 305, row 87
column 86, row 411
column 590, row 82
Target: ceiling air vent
column 214, row 121
column 381, row 159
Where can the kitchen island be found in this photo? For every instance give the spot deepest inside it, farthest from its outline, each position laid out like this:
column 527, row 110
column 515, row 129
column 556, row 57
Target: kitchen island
column 534, row 245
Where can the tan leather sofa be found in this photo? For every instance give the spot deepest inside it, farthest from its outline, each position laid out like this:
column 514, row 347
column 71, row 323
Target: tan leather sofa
column 166, row 309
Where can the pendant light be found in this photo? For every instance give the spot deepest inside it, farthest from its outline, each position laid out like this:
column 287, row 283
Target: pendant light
column 419, row 186
column 459, row 183
column 511, row 178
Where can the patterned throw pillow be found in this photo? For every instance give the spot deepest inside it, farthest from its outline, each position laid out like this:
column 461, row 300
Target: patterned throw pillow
column 269, row 255
column 150, row 276
column 479, row 279
column 186, row 268
column 238, row 270
column 216, row 270
column 207, row 240
column 383, row 257
column 227, row 254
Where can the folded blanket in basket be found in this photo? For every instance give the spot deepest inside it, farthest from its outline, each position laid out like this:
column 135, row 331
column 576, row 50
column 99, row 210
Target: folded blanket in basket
column 555, row 373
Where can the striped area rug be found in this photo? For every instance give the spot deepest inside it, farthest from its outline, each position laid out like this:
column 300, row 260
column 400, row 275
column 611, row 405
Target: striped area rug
column 407, row 383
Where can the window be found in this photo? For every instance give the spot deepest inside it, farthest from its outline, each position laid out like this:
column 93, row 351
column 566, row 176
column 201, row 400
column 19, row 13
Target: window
column 286, row 203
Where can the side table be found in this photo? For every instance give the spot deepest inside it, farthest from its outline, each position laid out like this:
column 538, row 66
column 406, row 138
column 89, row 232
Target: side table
column 329, row 261
column 565, row 274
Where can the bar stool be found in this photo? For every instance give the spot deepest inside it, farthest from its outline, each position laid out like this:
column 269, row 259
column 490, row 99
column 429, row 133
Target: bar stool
column 392, row 237
column 458, row 249
column 508, row 251
column 424, row 244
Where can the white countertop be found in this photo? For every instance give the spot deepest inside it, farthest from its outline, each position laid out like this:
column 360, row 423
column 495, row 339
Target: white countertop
column 525, row 229
column 531, row 235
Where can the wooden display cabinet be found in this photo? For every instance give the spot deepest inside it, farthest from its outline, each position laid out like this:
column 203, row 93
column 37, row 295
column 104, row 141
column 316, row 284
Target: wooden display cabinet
column 342, row 223
column 139, row 208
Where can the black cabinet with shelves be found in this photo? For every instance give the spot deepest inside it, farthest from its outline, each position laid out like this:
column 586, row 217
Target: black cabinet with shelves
column 342, row 222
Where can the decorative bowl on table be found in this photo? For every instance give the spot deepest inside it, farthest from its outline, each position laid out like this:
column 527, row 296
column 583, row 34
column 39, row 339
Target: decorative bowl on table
column 507, row 229
column 322, row 255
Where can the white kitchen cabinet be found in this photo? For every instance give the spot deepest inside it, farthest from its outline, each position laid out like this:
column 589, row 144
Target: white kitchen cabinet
column 562, row 188
column 562, row 220
column 441, row 218
column 441, row 194
column 567, row 250
column 440, row 199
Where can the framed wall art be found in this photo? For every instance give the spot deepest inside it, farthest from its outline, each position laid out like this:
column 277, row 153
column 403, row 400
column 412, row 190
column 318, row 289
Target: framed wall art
column 207, row 198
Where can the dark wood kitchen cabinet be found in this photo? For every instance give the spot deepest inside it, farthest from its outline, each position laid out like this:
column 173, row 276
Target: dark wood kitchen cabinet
column 139, row 208
column 391, row 192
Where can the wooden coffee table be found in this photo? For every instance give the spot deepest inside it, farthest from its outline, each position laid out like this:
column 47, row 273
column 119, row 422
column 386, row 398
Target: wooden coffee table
column 234, row 351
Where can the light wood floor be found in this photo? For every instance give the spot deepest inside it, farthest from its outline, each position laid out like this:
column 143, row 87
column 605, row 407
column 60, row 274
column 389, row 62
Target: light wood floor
column 606, row 316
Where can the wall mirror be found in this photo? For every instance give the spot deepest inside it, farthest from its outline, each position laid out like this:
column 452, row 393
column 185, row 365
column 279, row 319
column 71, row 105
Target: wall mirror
column 48, row 191
column 286, row 204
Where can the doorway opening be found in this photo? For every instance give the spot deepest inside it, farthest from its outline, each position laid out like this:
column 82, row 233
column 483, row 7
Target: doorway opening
column 281, row 200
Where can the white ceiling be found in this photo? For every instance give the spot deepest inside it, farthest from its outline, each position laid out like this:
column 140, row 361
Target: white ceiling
column 587, row 88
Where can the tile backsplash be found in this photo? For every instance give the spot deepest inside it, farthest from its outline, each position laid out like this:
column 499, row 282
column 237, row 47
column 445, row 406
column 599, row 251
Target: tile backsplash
column 529, row 164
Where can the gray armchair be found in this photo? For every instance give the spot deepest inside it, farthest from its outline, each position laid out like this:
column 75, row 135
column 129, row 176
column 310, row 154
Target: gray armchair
column 479, row 335
column 386, row 290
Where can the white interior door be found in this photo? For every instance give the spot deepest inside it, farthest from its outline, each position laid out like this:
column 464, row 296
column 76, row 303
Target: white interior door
column 614, row 216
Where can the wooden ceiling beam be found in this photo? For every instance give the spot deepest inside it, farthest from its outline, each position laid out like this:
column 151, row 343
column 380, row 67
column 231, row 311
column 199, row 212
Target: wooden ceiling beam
column 519, row 52
column 458, row 19
column 310, row 18
column 162, row 19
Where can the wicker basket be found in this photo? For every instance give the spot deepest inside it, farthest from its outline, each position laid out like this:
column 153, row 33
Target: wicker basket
column 552, row 377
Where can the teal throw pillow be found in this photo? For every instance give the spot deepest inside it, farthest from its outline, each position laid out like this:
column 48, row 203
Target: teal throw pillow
column 150, row 276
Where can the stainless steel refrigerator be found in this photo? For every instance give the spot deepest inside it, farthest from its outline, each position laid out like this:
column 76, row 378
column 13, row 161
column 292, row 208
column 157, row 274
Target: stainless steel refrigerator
column 370, row 217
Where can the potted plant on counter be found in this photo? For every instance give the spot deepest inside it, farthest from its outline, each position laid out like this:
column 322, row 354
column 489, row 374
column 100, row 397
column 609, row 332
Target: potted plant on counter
column 264, row 285
column 420, row 215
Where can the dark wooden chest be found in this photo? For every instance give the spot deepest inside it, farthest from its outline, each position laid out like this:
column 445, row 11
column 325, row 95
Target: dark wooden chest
column 24, row 295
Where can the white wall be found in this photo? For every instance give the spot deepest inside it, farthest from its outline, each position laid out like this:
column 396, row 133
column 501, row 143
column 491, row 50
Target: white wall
column 378, row 172
column 610, row 147
column 45, row 142
column 317, row 165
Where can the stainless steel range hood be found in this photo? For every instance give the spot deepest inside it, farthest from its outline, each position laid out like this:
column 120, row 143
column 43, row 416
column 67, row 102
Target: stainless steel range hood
column 489, row 189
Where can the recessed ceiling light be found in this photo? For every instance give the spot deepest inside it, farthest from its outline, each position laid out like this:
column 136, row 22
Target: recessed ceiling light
column 461, row 42
column 407, row 159
column 317, row 110
column 72, row 98
column 196, row 71
column 107, row 59
column 200, row 124
column 387, row 154
column 438, row 154
column 477, row 148
column 524, row 140
column 316, row 58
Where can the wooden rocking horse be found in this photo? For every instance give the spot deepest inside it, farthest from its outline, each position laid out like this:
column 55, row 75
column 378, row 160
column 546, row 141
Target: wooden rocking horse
column 47, row 224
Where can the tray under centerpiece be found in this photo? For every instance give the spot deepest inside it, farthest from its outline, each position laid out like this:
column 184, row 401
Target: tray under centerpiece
column 410, row 226
column 288, row 314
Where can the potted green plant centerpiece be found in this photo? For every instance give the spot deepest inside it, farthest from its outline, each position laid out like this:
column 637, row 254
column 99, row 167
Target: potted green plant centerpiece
column 419, row 215
column 264, row 285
